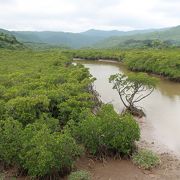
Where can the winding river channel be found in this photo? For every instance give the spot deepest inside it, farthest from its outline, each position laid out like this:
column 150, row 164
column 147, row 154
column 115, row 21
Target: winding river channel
column 162, row 107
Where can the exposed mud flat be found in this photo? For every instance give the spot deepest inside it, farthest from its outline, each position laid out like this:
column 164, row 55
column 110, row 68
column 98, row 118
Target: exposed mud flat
column 126, row 170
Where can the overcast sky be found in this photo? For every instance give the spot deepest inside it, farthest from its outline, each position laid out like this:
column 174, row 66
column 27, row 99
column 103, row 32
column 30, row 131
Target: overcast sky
column 80, row 15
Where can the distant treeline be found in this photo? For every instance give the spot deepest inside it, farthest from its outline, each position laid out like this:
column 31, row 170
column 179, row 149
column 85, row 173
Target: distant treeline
column 164, row 62
column 91, row 54
column 148, row 43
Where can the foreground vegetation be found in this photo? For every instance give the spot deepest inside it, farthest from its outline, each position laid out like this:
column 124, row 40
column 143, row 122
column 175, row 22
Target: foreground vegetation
column 47, row 115
column 146, row 159
column 106, row 133
column 164, row 62
column 80, row 175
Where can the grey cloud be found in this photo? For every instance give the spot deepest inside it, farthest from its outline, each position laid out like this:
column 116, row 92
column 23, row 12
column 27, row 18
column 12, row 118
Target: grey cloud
column 89, row 14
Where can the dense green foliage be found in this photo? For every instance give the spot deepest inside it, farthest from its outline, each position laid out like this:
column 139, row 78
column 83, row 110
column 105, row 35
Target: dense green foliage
column 145, row 44
column 9, row 42
column 32, row 84
column 10, row 141
column 46, row 106
column 164, row 62
column 97, row 54
column 47, row 109
column 36, row 148
column 79, row 175
column 107, row 132
column 45, row 153
column 146, row 159
column 39, row 93
column 39, row 46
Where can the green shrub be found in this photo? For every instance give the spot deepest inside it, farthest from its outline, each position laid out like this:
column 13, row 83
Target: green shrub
column 50, row 122
column 108, row 132
column 41, row 92
column 45, row 153
column 79, row 175
column 146, row 159
column 27, row 109
column 2, row 109
column 10, row 140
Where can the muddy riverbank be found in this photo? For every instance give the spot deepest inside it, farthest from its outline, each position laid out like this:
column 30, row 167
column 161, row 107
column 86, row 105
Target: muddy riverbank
column 160, row 129
column 162, row 107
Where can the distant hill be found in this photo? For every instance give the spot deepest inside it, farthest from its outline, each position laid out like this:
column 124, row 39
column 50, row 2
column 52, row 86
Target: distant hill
column 5, row 31
column 8, row 41
column 101, row 33
column 106, row 34
column 171, row 35
column 96, row 38
column 73, row 40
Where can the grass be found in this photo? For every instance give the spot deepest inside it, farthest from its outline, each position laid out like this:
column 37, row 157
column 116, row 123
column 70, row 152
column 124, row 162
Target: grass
column 146, row 159
column 80, row 175
column 1, row 176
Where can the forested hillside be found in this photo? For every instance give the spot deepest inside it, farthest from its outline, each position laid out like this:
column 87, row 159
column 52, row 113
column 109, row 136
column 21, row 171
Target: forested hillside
column 170, row 35
column 9, row 42
column 54, row 39
column 104, row 39
column 99, row 38
column 73, row 40
column 106, row 34
column 167, row 36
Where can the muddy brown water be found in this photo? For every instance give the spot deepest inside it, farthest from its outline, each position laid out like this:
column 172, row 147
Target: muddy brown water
column 162, row 107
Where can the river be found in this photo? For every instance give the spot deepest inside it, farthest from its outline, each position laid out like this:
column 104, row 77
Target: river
column 162, row 107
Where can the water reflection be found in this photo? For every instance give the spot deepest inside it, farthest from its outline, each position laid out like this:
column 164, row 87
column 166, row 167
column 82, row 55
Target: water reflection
column 170, row 89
